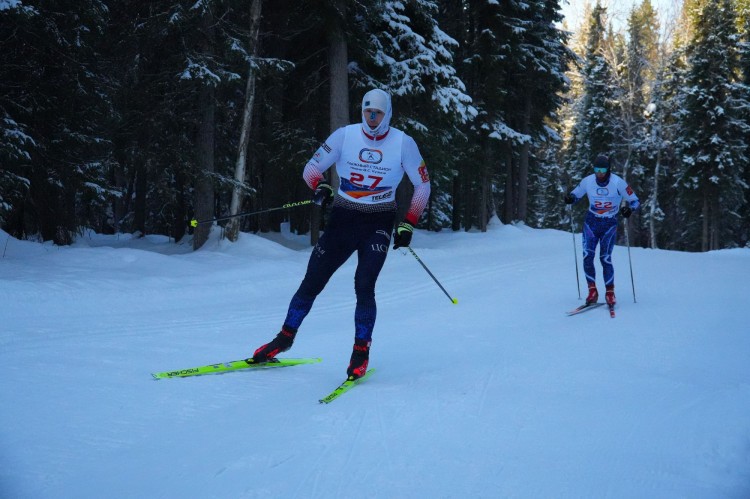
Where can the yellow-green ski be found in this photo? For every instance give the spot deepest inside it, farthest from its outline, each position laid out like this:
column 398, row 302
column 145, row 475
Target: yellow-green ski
column 345, row 387
column 233, row 365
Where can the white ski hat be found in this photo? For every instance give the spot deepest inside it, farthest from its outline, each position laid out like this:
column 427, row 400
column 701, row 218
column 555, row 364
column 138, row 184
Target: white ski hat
column 380, row 100
column 376, row 99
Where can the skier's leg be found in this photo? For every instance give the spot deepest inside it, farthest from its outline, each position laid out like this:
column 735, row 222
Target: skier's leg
column 328, row 255
column 371, row 257
column 605, row 254
column 590, row 240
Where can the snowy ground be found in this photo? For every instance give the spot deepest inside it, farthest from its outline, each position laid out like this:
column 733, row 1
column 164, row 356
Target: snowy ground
column 498, row 396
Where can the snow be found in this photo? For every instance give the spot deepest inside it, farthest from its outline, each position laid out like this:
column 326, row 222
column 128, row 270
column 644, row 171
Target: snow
column 501, row 395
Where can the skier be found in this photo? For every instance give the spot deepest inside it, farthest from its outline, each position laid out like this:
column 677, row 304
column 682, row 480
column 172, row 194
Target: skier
column 371, row 159
column 605, row 191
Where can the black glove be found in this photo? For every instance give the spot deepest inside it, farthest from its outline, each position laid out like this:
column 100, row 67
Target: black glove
column 569, row 199
column 626, row 211
column 402, row 237
column 323, row 194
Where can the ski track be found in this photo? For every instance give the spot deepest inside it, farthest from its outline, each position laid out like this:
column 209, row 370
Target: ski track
column 191, row 324
column 355, row 444
column 530, row 372
column 383, row 440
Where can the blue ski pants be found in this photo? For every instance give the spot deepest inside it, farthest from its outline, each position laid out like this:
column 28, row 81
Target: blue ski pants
column 369, row 234
column 600, row 231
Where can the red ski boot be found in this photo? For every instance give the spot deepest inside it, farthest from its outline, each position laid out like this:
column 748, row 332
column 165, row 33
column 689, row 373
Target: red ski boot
column 593, row 296
column 609, row 296
column 360, row 358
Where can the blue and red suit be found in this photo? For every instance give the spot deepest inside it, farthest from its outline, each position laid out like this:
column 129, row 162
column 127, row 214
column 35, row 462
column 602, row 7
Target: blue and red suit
column 600, row 224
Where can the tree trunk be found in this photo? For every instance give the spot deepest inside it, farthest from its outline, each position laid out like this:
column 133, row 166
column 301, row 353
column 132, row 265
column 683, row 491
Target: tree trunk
column 468, row 196
column 456, row 213
column 523, row 165
column 509, row 210
column 139, row 205
column 715, row 241
column 338, row 106
column 119, row 203
column 338, row 60
column 203, row 196
column 180, row 215
column 233, row 227
column 654, row 202
column 486, row 186
column 704, row 232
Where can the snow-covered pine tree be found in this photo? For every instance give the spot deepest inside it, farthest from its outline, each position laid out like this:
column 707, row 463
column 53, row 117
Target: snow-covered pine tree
column 407, row 53
column 55, row 106
column 639, row 120
column 712, row 147
column 597, row 114
column 537, row 66
column 743, row 233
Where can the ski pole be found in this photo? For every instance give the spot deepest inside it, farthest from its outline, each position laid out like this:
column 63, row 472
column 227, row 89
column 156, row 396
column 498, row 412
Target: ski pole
column 575, row 253
column 453, row 300
column 630, row 262
column 195, row 223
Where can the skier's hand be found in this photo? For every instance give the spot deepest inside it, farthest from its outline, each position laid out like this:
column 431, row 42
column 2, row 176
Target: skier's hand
column 402, row 236
column 323, row 194
column 569, row 199
column 626, row 211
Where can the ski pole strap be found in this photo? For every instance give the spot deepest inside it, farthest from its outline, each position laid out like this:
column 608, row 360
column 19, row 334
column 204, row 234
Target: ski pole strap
column 196, row 223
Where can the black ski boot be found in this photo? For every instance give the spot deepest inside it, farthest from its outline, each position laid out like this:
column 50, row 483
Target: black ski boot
column 281, row 343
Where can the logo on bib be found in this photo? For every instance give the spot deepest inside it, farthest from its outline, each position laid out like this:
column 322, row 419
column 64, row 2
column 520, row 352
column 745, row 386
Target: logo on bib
column 372, row 156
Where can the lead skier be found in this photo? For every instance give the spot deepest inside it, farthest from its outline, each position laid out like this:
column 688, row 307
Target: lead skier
column 371, row 158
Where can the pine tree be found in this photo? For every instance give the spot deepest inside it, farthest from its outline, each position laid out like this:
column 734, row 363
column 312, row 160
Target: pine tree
column 407, row 53
column 743, row 232
column 712, row 147
column 55, row 108
column 597, row 114
column 539, row 82
column 641, row 125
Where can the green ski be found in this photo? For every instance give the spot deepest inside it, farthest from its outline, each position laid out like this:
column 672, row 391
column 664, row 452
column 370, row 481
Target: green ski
column 234, row 365
column 345, row 387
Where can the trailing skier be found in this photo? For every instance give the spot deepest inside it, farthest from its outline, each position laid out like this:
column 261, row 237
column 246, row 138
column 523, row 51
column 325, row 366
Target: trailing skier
column 605, row 192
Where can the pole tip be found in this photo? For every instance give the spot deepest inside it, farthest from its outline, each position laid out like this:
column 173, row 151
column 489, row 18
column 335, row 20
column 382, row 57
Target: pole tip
column 455, row 301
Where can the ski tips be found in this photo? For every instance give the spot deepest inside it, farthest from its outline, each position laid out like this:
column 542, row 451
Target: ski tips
column 344, row 387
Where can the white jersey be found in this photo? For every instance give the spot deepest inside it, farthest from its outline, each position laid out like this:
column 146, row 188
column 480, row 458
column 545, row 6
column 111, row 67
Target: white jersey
column 604, row 201
column 371, row 168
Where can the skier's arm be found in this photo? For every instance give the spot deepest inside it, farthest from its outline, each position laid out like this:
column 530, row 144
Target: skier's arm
column 577, row 193
column 416, row 170
column 631, row 198
column 326, row 155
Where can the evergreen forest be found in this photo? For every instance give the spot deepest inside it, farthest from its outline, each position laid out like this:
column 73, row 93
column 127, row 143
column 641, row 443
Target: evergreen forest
column 137, row 117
